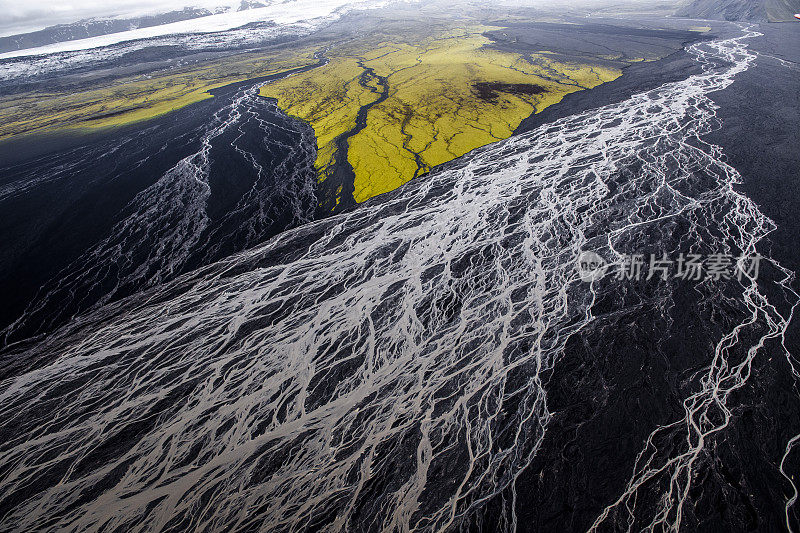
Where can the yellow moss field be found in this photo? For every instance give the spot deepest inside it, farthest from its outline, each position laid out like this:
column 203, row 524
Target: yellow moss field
column 328, row 98
column 433, row 113
column 135, row 98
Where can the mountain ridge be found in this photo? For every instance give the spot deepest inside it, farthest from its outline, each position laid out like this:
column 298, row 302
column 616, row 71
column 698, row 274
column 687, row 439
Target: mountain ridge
column 742, row 10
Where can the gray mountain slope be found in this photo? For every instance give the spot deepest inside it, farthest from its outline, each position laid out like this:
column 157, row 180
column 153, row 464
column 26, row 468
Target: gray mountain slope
column 742, row 10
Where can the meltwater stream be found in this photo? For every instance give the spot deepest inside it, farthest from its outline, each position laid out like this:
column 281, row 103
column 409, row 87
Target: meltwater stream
column 387, row 369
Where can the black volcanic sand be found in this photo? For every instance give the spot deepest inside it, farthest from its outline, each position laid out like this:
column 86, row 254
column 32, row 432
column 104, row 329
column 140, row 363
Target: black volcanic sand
column 761, row 138
column 761, row 133
column 52, row 224
column 617, row 384
column 589, row 39
column 627, row 41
